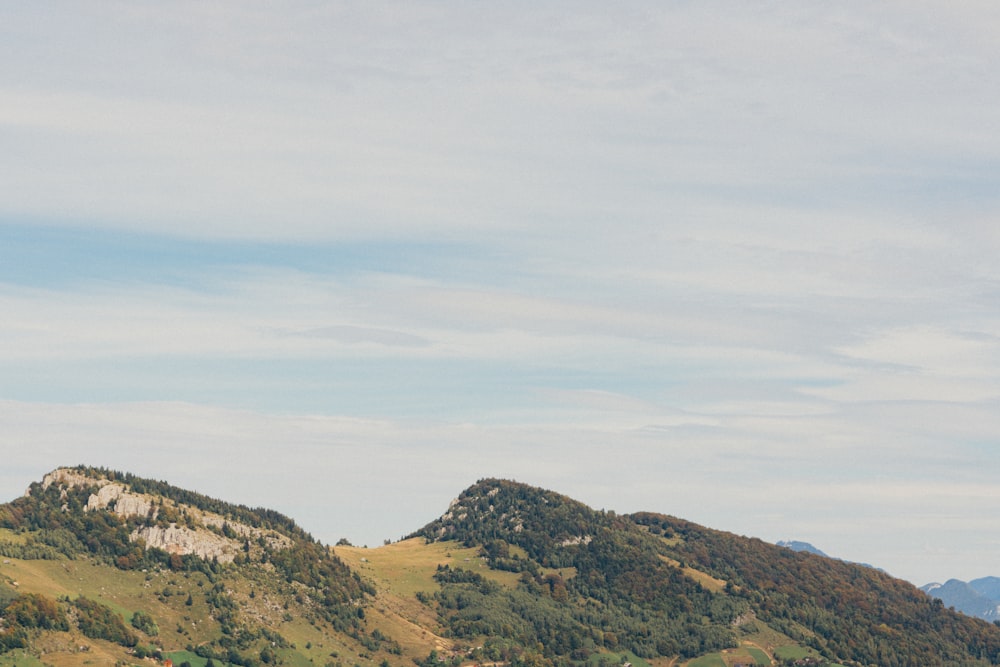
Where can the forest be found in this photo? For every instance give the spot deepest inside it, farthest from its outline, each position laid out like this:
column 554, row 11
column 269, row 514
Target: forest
column 630, row 589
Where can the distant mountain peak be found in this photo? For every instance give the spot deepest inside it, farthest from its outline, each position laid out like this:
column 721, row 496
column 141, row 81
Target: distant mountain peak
column 979, row 597
column 805, row 547
column 796, row 545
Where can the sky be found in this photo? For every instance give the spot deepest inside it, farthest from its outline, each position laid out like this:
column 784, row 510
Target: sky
column 733, row 262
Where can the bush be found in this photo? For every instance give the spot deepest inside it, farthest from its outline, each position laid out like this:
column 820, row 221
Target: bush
column 144, row 622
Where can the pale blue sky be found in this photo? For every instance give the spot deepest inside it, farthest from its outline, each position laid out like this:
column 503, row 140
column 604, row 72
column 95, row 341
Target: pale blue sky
column 736, row 263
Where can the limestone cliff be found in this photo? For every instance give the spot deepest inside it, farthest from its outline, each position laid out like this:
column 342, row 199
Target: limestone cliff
column 125, row 504
column 181, row 540
column 194, row 531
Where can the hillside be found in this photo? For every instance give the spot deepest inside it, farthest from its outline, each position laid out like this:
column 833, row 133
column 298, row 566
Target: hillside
column 100, row 563
column 666, row 587
column 101, row 567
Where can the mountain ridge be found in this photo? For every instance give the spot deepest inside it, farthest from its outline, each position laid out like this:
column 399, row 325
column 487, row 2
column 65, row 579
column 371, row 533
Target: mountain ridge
column 509, row 574
column 798, row 545
column 979, row 597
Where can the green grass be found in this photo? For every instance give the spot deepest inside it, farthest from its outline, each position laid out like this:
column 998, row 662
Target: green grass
column 741, row 656
column 794, row 652
column 293, row 658
column 180, row 656
column 196, row 661
column 618, row 658
column 710, row 660
column 19, row 658
column 289, row 659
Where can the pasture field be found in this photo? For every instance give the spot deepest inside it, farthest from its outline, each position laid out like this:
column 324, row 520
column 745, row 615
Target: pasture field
column 407, row 567
column 794, row 652
column 399, row 571
column 730, row 657
column 616, row 659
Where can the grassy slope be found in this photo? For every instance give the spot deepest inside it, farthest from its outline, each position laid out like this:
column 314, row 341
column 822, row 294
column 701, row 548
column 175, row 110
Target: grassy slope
column 179, row 624
column 263, row 597
column 124, row 592
column 402, row 569
column 399, row 571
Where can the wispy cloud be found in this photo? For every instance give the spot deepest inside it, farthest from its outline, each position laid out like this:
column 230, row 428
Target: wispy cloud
column 750, row 250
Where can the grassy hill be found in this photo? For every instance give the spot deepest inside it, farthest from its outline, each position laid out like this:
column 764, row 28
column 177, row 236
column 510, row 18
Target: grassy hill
column 262, row 590
column 102, row 568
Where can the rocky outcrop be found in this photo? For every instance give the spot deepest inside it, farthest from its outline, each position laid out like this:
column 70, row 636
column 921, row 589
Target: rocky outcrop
column 66, row 478
column 273, row 539
column 204, row 534
column 125, row 504
column 183, row 541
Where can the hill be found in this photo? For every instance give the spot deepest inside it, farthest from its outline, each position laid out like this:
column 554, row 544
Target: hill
column 665, row 586
column 101, row 567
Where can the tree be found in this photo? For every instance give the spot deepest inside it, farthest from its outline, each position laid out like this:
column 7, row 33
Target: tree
column 143, row 621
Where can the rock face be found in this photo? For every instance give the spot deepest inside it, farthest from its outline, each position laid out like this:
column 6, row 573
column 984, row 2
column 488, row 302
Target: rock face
column 181, row 540
column 68, row 479
column 109, row 493
column 200, row 536
column 125, row 503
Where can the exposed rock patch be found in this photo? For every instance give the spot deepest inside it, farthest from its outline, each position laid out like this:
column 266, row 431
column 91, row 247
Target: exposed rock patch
column 125, row 504
column 200, row 536
column 180, row 540
column 68, row 479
